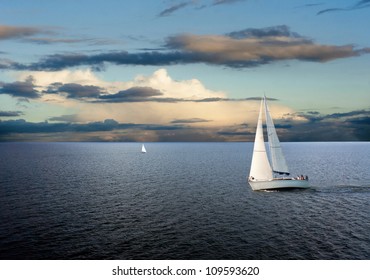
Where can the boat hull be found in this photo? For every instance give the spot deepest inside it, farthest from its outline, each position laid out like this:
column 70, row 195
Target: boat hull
column 277, row 184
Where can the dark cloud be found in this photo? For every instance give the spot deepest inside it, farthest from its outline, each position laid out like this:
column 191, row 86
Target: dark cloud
column 65, row 118
column 235, row 133
column 74, row 90
column 25, row 89
column 240, row 132
column 310, row 5
column 134, row 94
column 187, row 134
column 148, row 94
column 347, row 126
column 358, row 5
column 221, row 2
column 348, row 114
column 172, row 9
column 273, row 31
column 22, row 126
column 10, row 113
column 198, row 5
column 192, row 120
column 313, row 112
column 361, row 121
column 7, row 64
column 14, row 129
column 61, row 61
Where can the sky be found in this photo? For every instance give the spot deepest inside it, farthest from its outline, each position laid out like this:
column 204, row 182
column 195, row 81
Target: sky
column 183, row 70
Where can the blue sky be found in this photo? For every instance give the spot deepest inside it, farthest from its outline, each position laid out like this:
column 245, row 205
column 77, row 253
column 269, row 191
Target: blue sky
column 183, row 70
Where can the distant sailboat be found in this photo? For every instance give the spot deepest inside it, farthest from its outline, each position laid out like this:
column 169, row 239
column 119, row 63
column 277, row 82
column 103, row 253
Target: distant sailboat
column 264, row 176
column 143, row 150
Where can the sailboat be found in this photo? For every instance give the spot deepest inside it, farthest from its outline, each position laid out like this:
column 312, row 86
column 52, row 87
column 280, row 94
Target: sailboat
column 143, row 150
column 273, row 173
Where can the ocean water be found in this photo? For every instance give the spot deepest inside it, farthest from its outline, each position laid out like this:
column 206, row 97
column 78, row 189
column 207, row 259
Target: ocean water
column 180, row 201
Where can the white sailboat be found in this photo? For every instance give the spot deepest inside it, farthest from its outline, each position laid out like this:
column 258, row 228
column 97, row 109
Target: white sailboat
column 143, row 150
column 266, row 176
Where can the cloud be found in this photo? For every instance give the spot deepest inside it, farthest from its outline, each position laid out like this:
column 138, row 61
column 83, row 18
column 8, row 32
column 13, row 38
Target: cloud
column 65, row 118
column 134, row 94
column 348, row 114
column 157, row 107
column 245, row 48
column 84, row 77
column 173, row 8
column 192, row 120
column 24, row 89
column 181, row 5
column 10, row 113
column 94, row 131
column 154, row 98
column 48, row 41
column 310, row 5
column 347, row 126
column 273, row 31
column 61, row 61
column 74, row 90
column 157, row 87
column 358, row 5
column 54, row 40
column 32, row 35
column 257, row 50
column 14, row 32
column 221, row 2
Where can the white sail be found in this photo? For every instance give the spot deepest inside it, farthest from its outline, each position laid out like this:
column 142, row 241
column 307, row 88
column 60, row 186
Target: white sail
column 143, row 150
column 277, row 157
column 261, row 175
column 260, row 167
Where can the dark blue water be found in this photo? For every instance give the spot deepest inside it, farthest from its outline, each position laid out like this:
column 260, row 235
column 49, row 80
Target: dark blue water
column 180, row 201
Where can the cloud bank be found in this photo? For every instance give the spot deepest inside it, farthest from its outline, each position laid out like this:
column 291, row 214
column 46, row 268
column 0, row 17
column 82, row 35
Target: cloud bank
column 246, row 48
column 348, row 126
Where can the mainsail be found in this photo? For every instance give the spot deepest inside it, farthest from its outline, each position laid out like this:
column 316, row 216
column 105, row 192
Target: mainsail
column 263, row 168
column 277, row 157
column 260, row 167
column 143, row 150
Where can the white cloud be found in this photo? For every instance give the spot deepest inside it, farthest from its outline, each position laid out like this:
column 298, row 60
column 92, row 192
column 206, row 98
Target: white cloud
column 218, row 114
column 187, row 89
column 160, row 80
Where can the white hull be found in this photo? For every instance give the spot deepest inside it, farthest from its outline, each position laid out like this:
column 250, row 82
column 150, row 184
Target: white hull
column 276, row 184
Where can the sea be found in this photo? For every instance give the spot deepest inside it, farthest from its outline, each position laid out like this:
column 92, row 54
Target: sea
column 180, row 201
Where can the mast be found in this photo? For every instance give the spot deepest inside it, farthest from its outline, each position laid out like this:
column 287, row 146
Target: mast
column 277, row 157
column 260, row 167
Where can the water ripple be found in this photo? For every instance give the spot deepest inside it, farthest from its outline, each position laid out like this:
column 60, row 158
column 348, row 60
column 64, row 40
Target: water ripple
column 179, row 201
